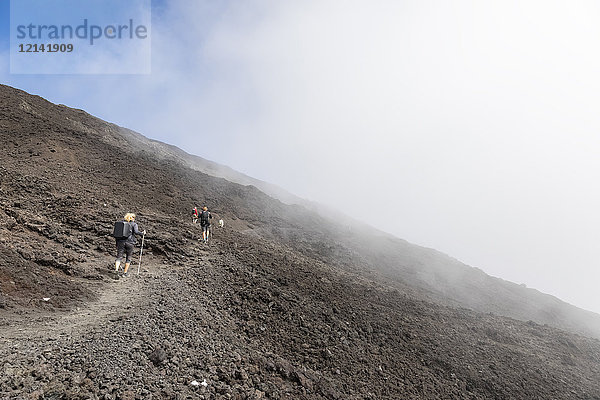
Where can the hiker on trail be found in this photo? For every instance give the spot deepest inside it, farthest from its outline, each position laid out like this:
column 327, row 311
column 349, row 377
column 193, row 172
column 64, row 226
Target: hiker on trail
column 125, row 238
column 205, row 218
column 195, row 215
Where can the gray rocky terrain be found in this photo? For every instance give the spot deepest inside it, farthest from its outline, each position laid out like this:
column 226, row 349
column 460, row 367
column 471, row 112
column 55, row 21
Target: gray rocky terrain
column 282, row 303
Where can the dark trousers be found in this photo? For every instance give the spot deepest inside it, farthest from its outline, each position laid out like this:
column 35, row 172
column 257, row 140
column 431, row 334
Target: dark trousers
column 124, row 247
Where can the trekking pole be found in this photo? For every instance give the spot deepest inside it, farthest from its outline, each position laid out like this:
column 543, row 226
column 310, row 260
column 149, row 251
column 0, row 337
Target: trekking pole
column 141, row 250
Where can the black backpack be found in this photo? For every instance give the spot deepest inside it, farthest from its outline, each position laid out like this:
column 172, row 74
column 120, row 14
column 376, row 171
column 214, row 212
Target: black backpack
column 122, row 230
column 204, row 218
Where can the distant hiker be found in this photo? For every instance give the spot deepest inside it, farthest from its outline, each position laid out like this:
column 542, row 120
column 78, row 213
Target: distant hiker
column 124, row 234
column 195, row 215
column 221, row 223
column 205, row 218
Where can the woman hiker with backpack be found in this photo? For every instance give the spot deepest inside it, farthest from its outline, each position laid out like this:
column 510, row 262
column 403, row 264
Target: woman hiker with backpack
column 124, row 233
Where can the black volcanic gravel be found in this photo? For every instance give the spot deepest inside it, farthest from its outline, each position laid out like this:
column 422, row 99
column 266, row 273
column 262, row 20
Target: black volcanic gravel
column 264, row 311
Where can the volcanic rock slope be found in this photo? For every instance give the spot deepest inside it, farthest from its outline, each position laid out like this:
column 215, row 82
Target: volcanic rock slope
column 278, row 305
column 348, row 242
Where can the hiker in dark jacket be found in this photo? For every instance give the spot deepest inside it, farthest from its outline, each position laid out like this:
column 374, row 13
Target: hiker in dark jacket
column 126, row 245
column 205, row 218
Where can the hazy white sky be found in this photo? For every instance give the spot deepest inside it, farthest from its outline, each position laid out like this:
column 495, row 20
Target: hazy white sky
column 468, row 126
